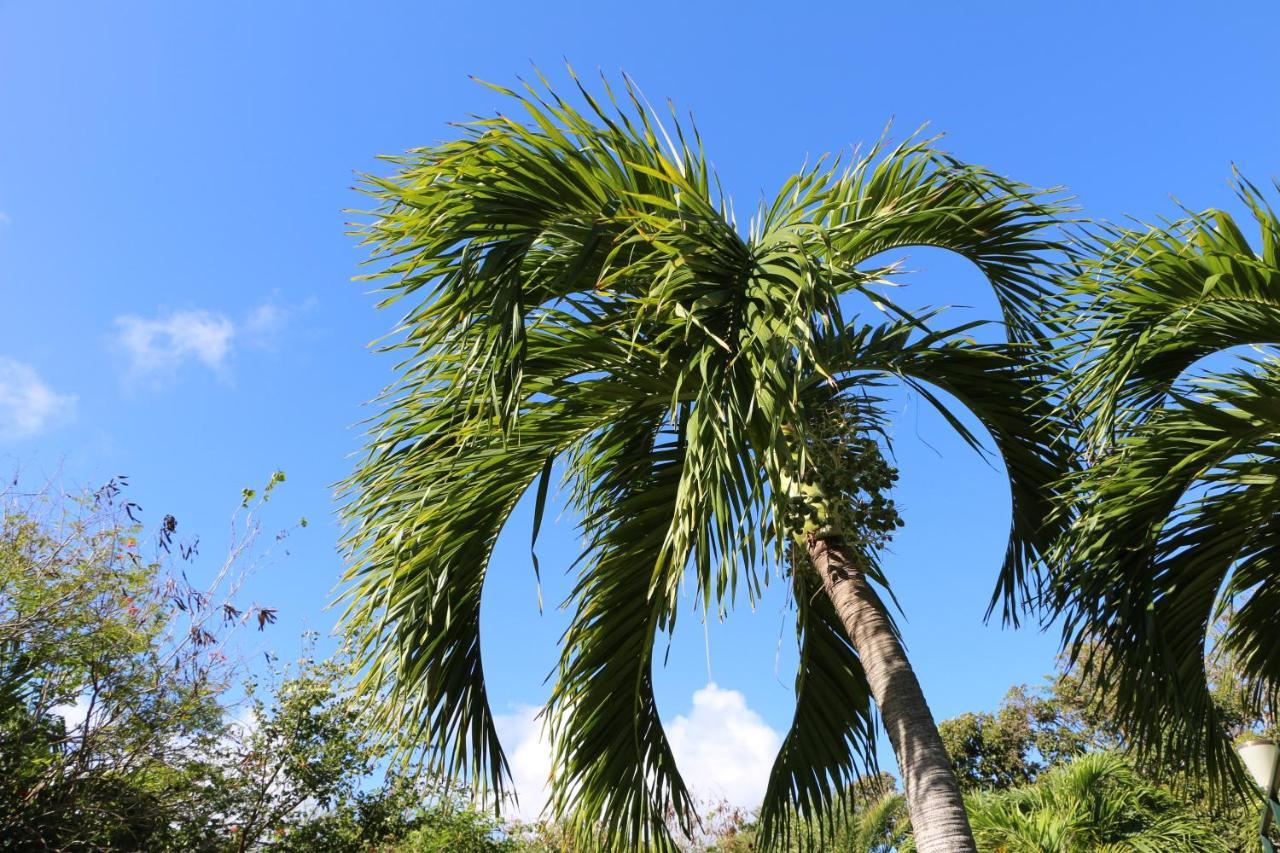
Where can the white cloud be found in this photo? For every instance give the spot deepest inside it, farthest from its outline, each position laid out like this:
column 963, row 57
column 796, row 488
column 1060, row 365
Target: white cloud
column 264, row 324
column 157, row 347
column 27, row 404
column 723, row 748
column 724, row 751
column 524, row 736
column 162, row 345
column 5, row 218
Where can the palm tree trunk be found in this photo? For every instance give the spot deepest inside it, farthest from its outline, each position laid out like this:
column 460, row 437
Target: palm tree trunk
column 938, row 819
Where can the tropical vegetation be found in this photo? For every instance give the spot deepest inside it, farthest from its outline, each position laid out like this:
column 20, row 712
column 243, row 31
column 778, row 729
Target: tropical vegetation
column 128, row 723
column 1170, row 554
column 576, row 299
column 106, row 745
column 576, row 296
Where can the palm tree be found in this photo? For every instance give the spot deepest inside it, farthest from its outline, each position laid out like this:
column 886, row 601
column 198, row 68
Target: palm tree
column 577, row 293
column 1173, row 550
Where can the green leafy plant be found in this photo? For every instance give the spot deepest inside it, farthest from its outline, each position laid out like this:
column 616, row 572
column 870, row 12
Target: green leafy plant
column 576, row 293
column 1095, row 802
column 1174, row 530
column 111, row 670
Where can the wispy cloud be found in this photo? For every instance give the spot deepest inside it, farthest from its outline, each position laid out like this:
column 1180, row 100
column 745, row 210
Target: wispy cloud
column 265, row 324
column 27, row 404
column 160, row 346
column 724, row 751
column 5, row 219
column 267, row 319
column 157, row 347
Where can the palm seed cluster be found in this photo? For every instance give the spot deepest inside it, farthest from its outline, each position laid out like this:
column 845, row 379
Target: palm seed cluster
column 845, row 487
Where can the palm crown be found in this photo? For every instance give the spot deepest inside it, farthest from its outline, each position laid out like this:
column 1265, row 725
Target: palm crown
column 1177, row 523
column 578, row 293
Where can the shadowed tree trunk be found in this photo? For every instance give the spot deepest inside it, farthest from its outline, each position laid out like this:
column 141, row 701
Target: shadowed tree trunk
column 938, row 818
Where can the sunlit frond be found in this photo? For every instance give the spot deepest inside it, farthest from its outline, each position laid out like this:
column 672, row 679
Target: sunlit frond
column 913, row 195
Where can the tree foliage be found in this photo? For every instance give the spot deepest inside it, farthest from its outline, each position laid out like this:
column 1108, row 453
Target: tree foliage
column 121, row 726
column 1170, row 554
column 1011, row 746
column 1050, row 770
column 1036, row 733
column 576, row 293
column 111, row 673
column 1097, row 801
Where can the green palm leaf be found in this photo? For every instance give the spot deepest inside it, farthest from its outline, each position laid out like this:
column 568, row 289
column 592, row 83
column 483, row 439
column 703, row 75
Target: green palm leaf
column 1003, row 385
column 616, row 777
column 1176, row 524
column 1151, row 303
column 1173, row 526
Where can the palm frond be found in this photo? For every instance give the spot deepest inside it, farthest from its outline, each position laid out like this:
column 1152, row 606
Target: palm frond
column 1002, row 385
column 914, row 196
column 616, row 783
column 489, row 230
column 429, row 513
column 518, row 241
column 1147, row 304
column 1172, row 525
column 1177, row 524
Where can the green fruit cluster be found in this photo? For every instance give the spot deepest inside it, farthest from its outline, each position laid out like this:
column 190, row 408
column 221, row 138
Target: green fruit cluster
column 844, row 487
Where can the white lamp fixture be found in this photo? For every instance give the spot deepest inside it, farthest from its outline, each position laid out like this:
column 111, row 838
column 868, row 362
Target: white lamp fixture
column 1262, row 757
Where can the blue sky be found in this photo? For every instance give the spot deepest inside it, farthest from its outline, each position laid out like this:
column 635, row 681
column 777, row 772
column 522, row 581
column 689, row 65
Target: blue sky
column 176, row 303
